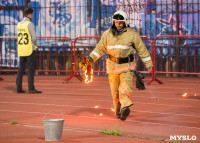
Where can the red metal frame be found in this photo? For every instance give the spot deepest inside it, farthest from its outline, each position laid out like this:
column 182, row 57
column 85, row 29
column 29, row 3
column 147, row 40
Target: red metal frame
column 74, row 59
column 153, row 61
column 178, row 68
column 40, row 54
column 98, row 37
column 74, row 71
column 1, row 38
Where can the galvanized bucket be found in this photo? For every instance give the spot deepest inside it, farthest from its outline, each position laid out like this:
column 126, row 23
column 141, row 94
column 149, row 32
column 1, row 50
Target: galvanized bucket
column 53, row 128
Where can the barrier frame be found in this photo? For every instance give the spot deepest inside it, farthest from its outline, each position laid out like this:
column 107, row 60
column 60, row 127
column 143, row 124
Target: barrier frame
column 95, row 37
column 38, row 70
column 174, row 36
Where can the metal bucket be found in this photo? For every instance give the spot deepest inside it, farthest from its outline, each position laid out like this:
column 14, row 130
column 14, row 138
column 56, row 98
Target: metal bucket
column 53, row 129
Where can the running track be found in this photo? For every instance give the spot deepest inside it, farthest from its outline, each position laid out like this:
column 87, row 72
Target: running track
column 158, row 112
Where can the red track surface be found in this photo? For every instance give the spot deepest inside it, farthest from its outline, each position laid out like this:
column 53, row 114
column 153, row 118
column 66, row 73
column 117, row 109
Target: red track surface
column 158, row 112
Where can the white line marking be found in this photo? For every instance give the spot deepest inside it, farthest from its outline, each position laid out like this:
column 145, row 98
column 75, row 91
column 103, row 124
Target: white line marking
column 60, row 105
column 150, row 96
column 4, row 102
column 105, row 119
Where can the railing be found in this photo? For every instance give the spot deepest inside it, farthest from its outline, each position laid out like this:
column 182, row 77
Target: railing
column 85, row 44
column 176, row 55
column 54, row 54
column 172, row 55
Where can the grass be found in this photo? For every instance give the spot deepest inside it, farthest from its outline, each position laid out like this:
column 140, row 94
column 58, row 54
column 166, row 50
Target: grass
column 14, row 123
column 114, row 132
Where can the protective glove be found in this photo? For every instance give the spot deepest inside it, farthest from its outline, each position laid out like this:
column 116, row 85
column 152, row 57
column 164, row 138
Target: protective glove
column 139, row 80
column 88, row 61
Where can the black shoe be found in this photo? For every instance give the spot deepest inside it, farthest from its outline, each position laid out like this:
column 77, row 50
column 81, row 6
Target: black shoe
column 118, row 116
column 124, row 113
column 35, row 91
column 21, row 91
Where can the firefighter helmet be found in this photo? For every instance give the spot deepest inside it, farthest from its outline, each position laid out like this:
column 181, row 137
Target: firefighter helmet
column 120, row 16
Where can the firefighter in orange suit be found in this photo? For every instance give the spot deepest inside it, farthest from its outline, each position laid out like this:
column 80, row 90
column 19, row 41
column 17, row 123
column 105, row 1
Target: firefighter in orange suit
column 120, row 42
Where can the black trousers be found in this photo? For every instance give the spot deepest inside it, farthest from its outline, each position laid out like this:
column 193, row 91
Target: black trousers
column 31, row 65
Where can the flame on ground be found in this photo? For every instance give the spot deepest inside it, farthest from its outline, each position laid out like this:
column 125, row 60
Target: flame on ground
column 184, row 95
column 96, row 106
column 113, row 109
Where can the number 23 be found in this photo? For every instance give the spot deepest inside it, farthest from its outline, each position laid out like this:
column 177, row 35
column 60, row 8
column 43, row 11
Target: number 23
column 26, row 41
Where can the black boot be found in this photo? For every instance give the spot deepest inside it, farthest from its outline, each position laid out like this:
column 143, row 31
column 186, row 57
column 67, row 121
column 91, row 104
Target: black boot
column 34, row 91
column 20, row 91
column 124, row 113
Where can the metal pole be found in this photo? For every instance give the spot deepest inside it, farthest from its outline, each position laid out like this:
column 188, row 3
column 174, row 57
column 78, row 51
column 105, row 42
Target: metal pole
column 177, row 17
column 177, row 33
column 99, row 17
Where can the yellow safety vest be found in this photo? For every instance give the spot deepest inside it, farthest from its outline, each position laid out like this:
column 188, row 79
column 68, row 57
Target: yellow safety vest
column 24, row 40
